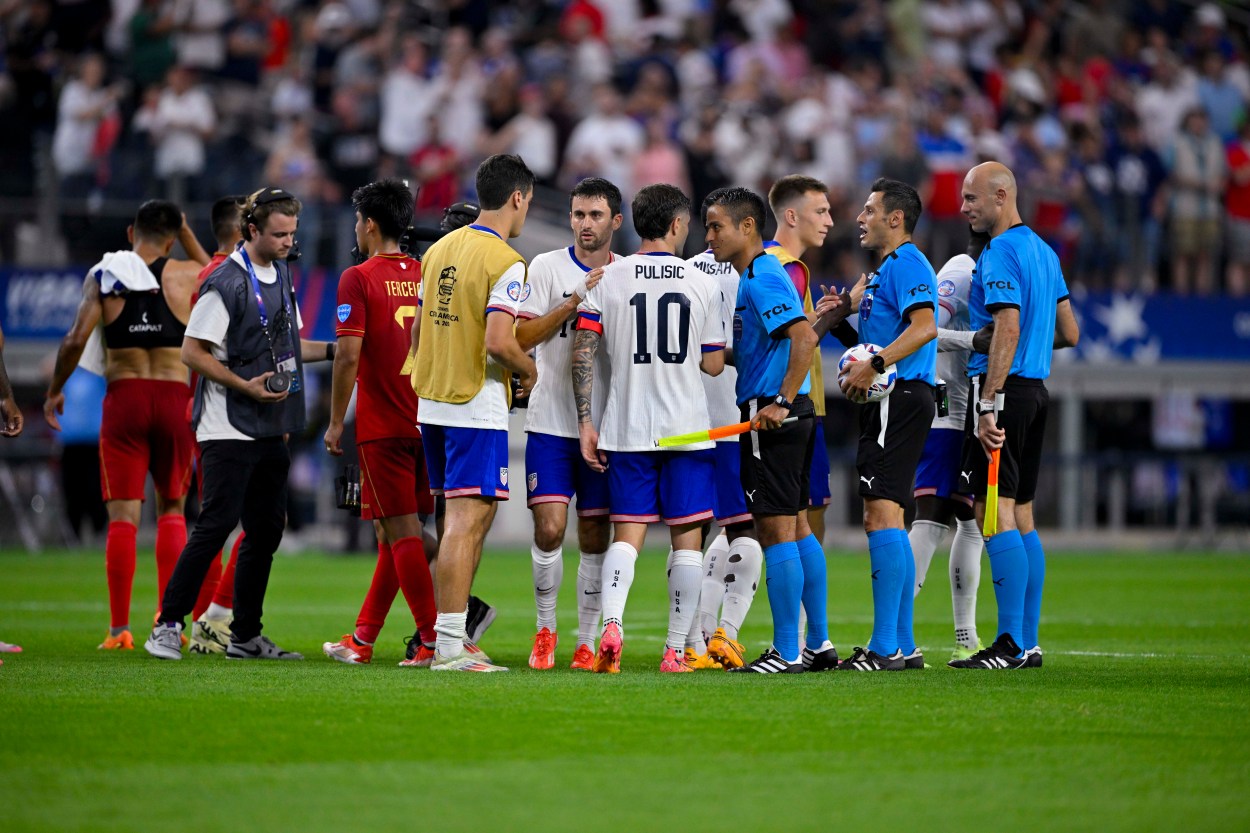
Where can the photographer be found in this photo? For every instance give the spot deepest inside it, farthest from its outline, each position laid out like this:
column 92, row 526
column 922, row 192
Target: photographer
column 243, row 342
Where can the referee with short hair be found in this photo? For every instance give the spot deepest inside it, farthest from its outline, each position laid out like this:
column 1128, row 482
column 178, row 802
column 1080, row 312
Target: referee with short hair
column 773, row 346
column 1018, row 287
column 897, row 313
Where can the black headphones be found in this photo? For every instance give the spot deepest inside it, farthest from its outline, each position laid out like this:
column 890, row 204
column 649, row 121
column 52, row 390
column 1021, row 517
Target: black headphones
column 264, row 197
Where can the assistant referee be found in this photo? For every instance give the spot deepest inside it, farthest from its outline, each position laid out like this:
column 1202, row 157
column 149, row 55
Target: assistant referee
column 773, row 346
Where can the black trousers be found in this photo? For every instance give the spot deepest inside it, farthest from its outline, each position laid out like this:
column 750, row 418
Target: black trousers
column 243, row 480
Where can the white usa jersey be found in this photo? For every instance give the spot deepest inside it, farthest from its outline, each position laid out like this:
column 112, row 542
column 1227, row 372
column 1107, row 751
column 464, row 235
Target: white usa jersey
column 552, row 277
column 657, row 317
column 953, row 283
column 722, row 407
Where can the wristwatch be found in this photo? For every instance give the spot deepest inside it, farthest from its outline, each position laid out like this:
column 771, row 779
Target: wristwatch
column 985, row 406
column 878, row 364
column 782, row 402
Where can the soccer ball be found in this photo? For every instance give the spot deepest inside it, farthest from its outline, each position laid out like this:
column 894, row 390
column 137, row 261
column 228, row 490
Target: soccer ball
column 881, row 386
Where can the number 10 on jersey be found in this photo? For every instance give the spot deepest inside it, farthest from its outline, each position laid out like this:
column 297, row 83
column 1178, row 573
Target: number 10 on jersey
column 663, row 345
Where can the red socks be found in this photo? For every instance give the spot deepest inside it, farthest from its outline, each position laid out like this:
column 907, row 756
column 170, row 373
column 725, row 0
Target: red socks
column 225, row 590
column 119, row 565
column 414, row 579
column 212, row 579
column 171, row 537
column 381, row 595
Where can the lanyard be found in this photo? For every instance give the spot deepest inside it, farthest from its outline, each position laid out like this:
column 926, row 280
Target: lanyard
column 260, row 300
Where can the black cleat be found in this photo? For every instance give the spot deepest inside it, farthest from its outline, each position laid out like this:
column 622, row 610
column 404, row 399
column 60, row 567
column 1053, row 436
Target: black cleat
column 479, row 617
column 914, row 661
column 1033, row 657
column 413, row 643
column 770, row 662
column 825, row 659
column 862, row 659
column 1004, row 654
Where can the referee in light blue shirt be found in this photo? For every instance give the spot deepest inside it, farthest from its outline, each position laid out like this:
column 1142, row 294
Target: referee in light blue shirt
column 1019, row 288
column 773, row 346
column 897, row 314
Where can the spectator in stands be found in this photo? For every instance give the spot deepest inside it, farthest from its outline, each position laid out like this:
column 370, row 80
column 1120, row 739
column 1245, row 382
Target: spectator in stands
column 404, row 104
column 1224, row 103
column 458, row 92
column 1197, row 176
column 661, row 160
column 1237, row 207
column 1163, row 103
column 1140, row 202
column 293, row 164
column 605, row 143
column 181, row 121
column 947, row 159
column 1095, row 204
column 435, row 166
column 201, row 25
column 530, row 134
column 151, row 43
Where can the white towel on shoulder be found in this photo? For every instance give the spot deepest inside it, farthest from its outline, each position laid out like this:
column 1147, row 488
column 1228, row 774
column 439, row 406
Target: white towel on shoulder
column 119, row 272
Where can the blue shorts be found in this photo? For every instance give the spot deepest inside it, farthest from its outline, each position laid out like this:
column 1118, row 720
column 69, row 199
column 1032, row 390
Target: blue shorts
column 465, row 462
column 647, row 486
column 555, row 471
column 728, row 502
column 938, row 471
column 818, row 484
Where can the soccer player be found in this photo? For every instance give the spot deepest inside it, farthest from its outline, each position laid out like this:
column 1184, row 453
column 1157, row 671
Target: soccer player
column 142, row 299
column 773, row 344
column 733, row 561
column 466, row 351
column 896, row 312
column 210, row 632
column 1020, row 288
column 554, row 468
column 937, row 478
column 659, row 323
column 376, row 302
column 801, row 205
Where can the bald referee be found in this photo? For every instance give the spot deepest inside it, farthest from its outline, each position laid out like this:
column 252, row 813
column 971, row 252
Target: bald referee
column 1019, row 288
column 773, row 346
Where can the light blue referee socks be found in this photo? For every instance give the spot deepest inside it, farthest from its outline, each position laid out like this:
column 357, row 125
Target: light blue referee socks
column 907, row 596
column 1009, row 565
column 1033, row 590
column 885, row 556
column 784, row 578
column 815, row 591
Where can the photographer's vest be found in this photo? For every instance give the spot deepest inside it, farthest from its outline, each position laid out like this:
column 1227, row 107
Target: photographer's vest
column 817, row 372
column 248, row 354
column 458, row 274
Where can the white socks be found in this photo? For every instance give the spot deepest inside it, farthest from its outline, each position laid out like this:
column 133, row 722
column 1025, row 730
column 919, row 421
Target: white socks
column 712, row 591
column 924, row 537
column 684, row 578
column 450, row 630
column 216, row 611
column 589, row 597
column 618, row 575
column 965, row 570
column 742, row 575
column 548, row 573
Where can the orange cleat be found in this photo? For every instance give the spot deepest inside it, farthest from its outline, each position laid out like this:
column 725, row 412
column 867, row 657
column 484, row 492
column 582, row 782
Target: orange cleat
column 726, row 651
column 611, row 645
column 122, row 642
column 699, row 662
column 583, row 658
column 347, row 650
column 543, row 656
column 421, row 659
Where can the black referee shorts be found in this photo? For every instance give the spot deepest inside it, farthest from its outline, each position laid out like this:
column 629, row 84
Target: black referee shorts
column 776, row 465
column 1023, row 418
column 891, row 439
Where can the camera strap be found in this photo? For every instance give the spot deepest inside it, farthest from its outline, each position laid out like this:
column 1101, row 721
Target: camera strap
column 260, row 301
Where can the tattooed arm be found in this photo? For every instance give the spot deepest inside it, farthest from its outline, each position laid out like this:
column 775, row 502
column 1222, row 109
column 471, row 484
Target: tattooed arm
column 585, row 343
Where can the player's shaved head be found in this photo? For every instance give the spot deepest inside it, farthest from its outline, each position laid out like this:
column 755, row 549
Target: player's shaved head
column 994, row 176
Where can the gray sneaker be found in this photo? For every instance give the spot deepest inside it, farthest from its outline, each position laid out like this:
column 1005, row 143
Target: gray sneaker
column 165, row 641
column 258, row 647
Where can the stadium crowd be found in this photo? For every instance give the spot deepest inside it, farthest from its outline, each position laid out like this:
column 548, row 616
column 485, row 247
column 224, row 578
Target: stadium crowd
column 1125, row 121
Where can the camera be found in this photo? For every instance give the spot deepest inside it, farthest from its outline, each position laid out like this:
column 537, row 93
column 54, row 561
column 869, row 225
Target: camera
column 347, row 490
column 279, row 382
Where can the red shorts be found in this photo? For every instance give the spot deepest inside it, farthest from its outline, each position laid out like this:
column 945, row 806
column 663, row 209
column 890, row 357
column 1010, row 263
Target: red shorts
column 393, row 480
column 144, row 428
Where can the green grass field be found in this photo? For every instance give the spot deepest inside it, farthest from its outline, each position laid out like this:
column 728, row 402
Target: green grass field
column 1137, row 722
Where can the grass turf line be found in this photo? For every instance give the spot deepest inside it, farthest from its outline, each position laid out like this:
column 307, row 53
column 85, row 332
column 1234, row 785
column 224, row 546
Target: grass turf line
column 1152, row 737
